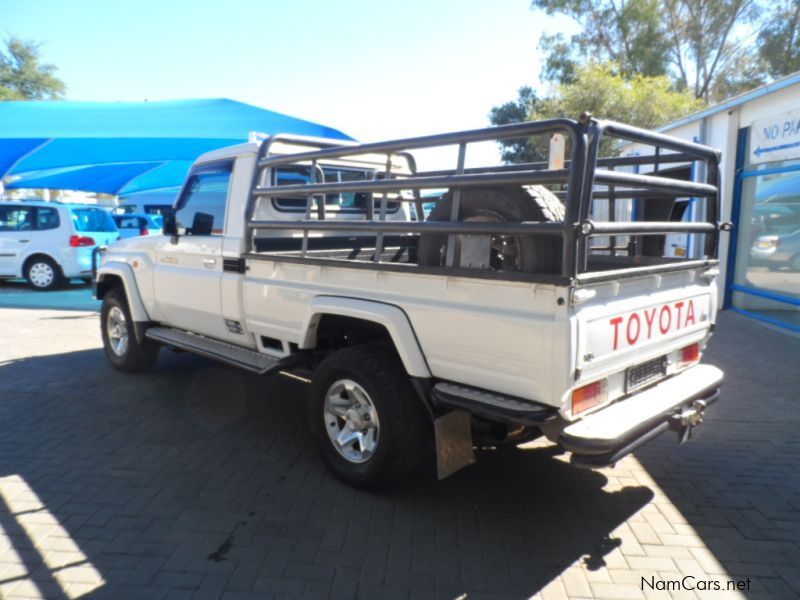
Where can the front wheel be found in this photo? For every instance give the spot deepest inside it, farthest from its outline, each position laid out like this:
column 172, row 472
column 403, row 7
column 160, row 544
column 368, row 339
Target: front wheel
column 368, row 422
column 122, row 349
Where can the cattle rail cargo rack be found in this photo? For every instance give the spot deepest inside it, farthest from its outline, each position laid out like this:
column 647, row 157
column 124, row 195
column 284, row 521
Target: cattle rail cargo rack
column 584, row 178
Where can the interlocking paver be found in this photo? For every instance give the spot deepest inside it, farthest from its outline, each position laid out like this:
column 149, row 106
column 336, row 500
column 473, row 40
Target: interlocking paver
column 161, row 484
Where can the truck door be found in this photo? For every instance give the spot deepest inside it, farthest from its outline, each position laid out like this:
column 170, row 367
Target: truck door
column 188, row 274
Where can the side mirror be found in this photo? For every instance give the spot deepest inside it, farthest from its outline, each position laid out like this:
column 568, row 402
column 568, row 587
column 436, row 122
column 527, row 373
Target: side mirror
column 170, row 227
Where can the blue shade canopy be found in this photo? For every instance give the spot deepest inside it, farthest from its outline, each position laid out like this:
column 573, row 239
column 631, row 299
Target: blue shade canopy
column 107, row 179
column 123, row 147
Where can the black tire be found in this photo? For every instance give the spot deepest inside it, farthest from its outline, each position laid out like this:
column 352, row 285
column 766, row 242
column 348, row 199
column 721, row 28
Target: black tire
column 43, row 273
column 404, row 433
column 132, row 356
column 529, row 254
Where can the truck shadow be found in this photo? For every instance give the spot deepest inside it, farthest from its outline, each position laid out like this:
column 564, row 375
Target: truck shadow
column 195, row 476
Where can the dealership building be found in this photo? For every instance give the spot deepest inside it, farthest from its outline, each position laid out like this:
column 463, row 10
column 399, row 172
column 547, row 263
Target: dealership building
column 759, row 135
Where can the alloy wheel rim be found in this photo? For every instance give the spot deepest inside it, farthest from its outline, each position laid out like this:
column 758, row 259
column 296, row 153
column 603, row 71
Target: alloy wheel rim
column 117, row 327
column 351, row 421
column 41, row 274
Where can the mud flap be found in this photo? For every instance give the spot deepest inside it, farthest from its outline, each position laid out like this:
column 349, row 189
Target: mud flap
column 453, row 442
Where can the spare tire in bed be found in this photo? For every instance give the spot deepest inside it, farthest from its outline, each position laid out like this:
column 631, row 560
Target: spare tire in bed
column 522, row 253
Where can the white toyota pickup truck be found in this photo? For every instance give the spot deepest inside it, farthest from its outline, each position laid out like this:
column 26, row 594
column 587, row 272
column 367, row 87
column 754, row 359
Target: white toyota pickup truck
column 534, row 299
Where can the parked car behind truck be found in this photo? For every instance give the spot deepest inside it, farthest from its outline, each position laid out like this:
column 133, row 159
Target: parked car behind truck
column 496, row 316
column 136, row 224
column 49, row 243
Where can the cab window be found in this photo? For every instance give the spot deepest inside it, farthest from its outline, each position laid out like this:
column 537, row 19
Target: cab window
column 347, row 202
column 201, row 209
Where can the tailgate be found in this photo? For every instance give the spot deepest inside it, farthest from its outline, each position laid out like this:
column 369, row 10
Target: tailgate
column 630, row 321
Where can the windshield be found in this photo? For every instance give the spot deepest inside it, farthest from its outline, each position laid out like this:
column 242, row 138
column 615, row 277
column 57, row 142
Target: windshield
column 92, row 219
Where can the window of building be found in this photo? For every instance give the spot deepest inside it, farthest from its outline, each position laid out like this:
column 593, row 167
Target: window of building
column 766, row 278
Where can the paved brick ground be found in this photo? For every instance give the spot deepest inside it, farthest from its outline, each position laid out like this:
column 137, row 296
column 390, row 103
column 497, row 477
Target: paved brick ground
column 199, row 481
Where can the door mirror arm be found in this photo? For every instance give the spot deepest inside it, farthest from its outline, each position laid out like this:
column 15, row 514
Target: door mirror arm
column 171, row 228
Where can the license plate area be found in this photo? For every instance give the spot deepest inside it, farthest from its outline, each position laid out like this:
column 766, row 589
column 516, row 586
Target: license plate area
column 638, row 376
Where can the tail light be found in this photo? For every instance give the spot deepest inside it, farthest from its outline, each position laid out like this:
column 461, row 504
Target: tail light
column 76, row 241
column 689, row 356
column 588, row 396
column 144, row 231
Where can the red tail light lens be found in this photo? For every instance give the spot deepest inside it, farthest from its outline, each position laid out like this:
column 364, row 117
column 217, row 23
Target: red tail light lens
column 588, row 396
column 144, row 231
column 76, row 241
column 689, row 355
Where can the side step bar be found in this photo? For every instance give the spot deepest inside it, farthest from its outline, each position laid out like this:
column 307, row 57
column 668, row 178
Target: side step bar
column 490, row 405
column 250, row 360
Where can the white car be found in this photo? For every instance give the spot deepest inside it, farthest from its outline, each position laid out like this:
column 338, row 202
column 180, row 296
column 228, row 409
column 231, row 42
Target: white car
column 49, row 242
column 137, row 224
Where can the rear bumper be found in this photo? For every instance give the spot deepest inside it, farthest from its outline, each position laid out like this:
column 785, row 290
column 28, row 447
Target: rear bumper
column 677, row 403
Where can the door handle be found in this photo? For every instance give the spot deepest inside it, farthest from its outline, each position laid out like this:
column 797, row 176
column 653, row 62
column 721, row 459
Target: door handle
column 209, row 262
column 24, row 241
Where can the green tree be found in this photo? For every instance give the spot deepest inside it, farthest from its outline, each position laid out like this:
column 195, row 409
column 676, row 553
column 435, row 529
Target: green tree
column 628, row 33
column 779, row 41
column 517, row 111
column 709, row 54
column 601, row 89
column 701, row 44
column 23, row 77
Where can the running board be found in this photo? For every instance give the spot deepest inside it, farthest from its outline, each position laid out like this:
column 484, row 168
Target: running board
column 490, row 405
column 250, row 360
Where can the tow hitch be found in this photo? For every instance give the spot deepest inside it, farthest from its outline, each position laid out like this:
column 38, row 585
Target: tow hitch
column 687, row 419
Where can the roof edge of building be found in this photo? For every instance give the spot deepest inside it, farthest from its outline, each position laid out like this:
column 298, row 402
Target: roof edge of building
column 730, row 103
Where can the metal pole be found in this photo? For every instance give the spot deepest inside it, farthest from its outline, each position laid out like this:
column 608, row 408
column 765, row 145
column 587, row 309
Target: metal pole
column 455, row 208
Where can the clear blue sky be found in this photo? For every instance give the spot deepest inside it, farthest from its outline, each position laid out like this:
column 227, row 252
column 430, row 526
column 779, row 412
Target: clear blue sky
column 372, row 69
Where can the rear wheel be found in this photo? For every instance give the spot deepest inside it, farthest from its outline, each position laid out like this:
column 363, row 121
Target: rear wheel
column 43, row 273
column 122, row 349
column 369, row 425
column 529, row 253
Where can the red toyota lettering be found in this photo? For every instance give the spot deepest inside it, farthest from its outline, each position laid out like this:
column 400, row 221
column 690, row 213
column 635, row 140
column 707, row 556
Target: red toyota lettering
column 615, row 324
column 690, row 313
column 664, row 311
column 649, row 317
column 633, row 337
column 679, row 308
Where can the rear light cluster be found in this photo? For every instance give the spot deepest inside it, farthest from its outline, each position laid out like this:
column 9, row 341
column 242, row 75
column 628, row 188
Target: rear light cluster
column 76, row 241
column 596, row 393
column 689, row 356
column 144, row 231
column 588, row 396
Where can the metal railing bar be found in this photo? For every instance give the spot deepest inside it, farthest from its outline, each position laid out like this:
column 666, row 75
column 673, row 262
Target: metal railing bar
column 618, row 161
column 443, row 139
column 455, row 209
column 652, row 138
column 627, row 272
column 649, row 182
column 592, row 228
column 472, row 227
column 382, row 214
column 411, row 183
